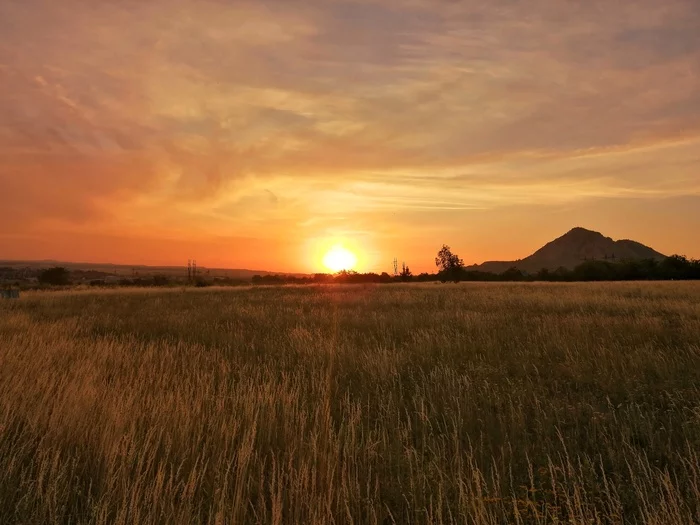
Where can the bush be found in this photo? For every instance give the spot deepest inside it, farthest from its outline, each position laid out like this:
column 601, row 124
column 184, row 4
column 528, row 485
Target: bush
column 160, row 280
column 57, row 276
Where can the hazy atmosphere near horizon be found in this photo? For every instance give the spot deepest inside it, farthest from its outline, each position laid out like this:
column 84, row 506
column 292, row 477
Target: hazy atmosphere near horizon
column 329, row 262
column 257, row 134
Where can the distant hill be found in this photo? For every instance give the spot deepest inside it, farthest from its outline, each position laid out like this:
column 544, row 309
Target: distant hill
column 99, row 270
column 573, row 248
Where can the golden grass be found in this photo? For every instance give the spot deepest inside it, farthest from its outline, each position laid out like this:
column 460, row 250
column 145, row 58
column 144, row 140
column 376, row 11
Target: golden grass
column 476, row 404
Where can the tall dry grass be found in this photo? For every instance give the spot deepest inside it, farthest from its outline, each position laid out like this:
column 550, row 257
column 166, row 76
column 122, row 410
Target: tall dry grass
column 476, row 404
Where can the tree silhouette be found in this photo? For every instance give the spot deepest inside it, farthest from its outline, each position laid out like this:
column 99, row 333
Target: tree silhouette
column 449, row 264
column 405, row 274
column 57, row 276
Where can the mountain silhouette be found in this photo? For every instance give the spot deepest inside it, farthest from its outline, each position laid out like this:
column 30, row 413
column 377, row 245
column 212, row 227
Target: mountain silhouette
column 573, row 248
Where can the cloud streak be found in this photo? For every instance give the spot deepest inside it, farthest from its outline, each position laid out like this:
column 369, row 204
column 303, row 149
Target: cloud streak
column 261, row 119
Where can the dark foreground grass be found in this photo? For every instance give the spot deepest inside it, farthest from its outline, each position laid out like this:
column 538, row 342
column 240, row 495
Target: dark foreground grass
column 476, row 404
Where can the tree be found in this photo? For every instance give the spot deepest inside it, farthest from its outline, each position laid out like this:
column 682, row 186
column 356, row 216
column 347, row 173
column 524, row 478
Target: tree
column 405, row 274
column 385, row 278
column 449, row 264
column 57, row 276
column 512, row 274
column 675, row 267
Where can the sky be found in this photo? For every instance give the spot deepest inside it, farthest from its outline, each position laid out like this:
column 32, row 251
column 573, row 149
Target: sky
column 258, row 134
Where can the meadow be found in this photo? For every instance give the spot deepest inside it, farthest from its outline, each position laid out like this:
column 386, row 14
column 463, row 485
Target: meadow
column 468, row 403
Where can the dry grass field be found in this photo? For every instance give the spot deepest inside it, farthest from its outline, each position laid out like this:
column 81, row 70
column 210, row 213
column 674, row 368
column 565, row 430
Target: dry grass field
column 472, row 403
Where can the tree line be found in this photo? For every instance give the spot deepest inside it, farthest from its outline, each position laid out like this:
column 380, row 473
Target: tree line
column 449, row 267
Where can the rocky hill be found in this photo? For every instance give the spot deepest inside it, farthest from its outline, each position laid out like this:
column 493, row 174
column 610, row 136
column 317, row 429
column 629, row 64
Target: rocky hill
column 573, row 248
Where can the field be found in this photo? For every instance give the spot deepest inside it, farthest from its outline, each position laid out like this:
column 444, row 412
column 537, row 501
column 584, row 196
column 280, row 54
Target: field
column 472, row 403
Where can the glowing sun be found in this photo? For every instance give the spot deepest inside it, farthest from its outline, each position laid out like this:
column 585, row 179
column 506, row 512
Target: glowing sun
column 339, row 258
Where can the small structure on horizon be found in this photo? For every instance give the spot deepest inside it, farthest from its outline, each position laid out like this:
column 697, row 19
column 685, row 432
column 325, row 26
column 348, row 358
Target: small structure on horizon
column 191, row 270
column 9, row 294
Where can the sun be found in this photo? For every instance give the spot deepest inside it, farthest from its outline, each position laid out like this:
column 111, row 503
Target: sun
column 339, row 258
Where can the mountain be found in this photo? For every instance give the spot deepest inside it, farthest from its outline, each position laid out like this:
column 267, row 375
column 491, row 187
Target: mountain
column 573, row 248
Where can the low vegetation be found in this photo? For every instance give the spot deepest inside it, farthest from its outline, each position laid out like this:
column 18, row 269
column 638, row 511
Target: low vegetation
column 451, row 268
column 473, row 403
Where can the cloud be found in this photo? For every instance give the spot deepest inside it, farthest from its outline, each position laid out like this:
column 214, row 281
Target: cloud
column 237, row 115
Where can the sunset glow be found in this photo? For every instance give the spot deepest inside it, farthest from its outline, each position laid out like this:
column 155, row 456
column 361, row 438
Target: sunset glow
column 238, row 133
column 339, row 258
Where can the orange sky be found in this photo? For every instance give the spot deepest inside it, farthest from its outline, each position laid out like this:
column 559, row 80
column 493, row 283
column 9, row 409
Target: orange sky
column 256, row 134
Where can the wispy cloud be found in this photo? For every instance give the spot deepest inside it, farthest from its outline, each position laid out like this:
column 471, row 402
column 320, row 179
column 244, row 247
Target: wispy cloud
column 257, row 118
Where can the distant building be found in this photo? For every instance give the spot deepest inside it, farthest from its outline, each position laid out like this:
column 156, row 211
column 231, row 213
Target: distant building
column 9, row 294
